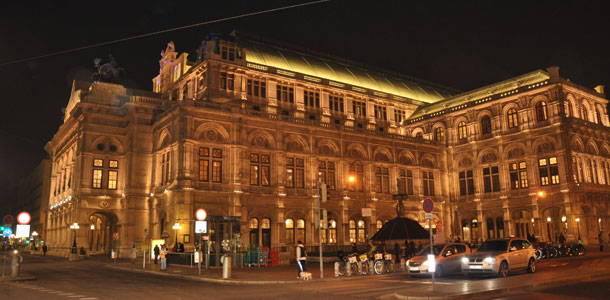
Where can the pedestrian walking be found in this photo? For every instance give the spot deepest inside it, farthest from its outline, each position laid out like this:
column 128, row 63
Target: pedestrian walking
column 301, row 256
column 44, row 250
column 601, row 242
column 132, row 254
column 412, row 248
column 181, row 247
column 156, row 251
column 163, row 255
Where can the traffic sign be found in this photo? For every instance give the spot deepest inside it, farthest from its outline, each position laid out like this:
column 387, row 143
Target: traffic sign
column 201, row 226
column 8, row 219
column 24, row 218
column 428, row 216
column 201, row 214
column 7, row 231
column 428, row 205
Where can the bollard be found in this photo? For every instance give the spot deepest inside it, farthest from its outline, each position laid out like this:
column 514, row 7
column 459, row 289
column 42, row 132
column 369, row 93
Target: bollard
column 402, row 264
column 226, row 266
column 348, row 269
column 336, row 269
column 371, row 266
column 15, row 264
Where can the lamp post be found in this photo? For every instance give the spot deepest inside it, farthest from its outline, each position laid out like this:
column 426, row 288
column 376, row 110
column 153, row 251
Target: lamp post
column 34, row 235
column 74, row 227
column 578, row 227
column 176, row 227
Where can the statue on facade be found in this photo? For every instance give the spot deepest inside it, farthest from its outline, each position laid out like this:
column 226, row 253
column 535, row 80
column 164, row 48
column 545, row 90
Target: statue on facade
column 107, row 70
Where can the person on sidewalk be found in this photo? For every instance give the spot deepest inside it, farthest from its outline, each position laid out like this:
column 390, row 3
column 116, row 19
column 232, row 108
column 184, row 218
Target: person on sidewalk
column 132, row 254
column 44, row 250
column 156, row 252
column 301, row 258
column 163, row 259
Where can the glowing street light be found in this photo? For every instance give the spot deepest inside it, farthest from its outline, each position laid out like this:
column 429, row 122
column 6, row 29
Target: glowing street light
column 177, row 227
column 74, row 227
column 578, row 226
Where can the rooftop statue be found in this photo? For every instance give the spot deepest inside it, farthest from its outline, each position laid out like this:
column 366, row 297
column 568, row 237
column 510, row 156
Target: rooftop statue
column 108, row 70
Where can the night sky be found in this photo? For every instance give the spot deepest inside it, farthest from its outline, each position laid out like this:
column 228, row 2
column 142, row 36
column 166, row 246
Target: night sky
column 460, row 44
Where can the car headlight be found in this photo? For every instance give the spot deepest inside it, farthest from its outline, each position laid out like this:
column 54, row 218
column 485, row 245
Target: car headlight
column 464, row 260
column 425, row 263
column 490, row 260
column 408, row 262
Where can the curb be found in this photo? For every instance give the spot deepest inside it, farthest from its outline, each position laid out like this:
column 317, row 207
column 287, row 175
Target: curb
column 18, row 279
column 233, row 281
column 596, row 276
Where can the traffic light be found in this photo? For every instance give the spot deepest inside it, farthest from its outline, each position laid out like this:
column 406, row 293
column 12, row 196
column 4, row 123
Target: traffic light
column 1, row 228
column 323, row 192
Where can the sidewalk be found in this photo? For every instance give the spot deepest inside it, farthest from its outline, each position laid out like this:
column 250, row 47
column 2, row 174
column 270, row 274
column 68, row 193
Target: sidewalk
column 245, row 275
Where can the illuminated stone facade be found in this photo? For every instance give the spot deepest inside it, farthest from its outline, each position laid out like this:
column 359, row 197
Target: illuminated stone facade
column 246, row 129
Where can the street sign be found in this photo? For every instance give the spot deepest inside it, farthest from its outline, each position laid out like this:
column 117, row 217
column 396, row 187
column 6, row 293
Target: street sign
column 201, row 226
column 22, row 231
column 164, row 235
column 201, row 214
column 439, row 223
column 8, row 219
column 24, row 218
column 428, row 216
column 428, row 205
column 7, row 231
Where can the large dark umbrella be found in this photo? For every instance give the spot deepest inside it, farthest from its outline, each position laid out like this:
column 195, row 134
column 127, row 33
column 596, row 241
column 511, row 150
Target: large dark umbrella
column 401, row 229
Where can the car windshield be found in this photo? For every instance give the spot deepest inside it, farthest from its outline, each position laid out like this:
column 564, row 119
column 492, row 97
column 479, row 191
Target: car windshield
column 437, row 249
column 500, row 245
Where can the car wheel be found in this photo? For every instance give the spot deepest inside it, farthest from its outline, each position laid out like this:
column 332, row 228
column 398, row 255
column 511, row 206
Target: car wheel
column 440, row 272
column 531, row 266
column 503, row 270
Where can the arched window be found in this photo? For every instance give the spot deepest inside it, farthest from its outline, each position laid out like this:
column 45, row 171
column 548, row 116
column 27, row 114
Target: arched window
column 491, row 233
column 361, row 227
column 585, row 113
column 485, row 125
column 379, row 224
column 439, row 134
column 290, row 232
column 332, row 233
column 568, row 108
column 511, row 117
column 254, row 231
column 419, row 135
column 598, row 117
column 462, row 133
column 541, row 114
column 185, row 92
column 301, row 230
column 500, row 227
column 352, row 231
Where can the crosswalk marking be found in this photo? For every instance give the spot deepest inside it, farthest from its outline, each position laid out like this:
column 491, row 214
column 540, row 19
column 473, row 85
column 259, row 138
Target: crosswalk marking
column 66, row 294
column 76, row 296
column 90, row 298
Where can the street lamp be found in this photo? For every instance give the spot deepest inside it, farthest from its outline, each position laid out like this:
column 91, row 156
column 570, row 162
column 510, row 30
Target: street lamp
column 34, row 235
column 578, row 227
column 176, row 227
column 74, row 227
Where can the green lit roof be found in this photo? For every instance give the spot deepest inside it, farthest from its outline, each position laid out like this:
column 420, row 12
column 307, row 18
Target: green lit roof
column 480, row 95
column 340, row 71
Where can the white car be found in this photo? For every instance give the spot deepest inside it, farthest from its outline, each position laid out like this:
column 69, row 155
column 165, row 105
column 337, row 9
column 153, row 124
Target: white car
column 500, row 256
column 448, row 258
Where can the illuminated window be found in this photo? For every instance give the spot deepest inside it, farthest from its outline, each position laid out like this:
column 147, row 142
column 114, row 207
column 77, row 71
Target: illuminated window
column 331, row 233
column 399, row 115
column 462, row 131
column 112, row 179
column 549, row 171
column 300, row 230
column 260, row 169
column 379, row 224
column 352, row 231
column 568, row 108
column 295, row 172
column 541, row 113
column 357, row 171
column 289, row 232
column 165, row 167
column 204, row 164
column 439, row 134
column 485, row 125
column 380, row 112
column 98, row 163
column 113, row 164
column 97, row 178
column 361, row 231
column 511, row 117
column 518, row 175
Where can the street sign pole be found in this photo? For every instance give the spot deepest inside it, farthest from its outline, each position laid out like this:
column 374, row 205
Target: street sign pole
column 428, row 206
column 318, row 210
column 431, row 249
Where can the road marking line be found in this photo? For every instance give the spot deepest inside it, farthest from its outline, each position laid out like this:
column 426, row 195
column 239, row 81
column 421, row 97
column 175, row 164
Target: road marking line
column 76, row 296
column 56, row 292
column 90, row 298
column 66, row 294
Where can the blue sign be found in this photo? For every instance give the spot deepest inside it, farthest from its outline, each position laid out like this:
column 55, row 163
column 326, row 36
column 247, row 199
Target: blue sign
column 7, row 231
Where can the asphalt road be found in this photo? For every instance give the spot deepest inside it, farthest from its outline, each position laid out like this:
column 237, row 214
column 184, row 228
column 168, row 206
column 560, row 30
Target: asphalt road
column 89, row 280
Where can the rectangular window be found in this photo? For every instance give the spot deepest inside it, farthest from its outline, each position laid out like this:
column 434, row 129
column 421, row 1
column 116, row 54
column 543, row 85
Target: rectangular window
column 224, row 53
column 382, row 180
column 518, row 175
column 112, row 179
column 380, row 112
column 204, row 170
column 428, row 183
column 399, row 115
column 231, row 54
column 466, row 183
column 359, row 108
column 549, row 171
column 257, row 88
column 260, row 169
column 335, row 103
column 227, row 81
column 223, row 80
column 97, row 179
column 491, row 179
column 311, row 99
column 295, row 172
column 113, row 164
column 327, row 173
column 285, row 94
column 98, row 163
column 217, row 171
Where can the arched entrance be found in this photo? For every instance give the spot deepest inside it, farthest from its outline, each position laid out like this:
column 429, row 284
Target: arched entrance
column 102, row 232
column 523, row 223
